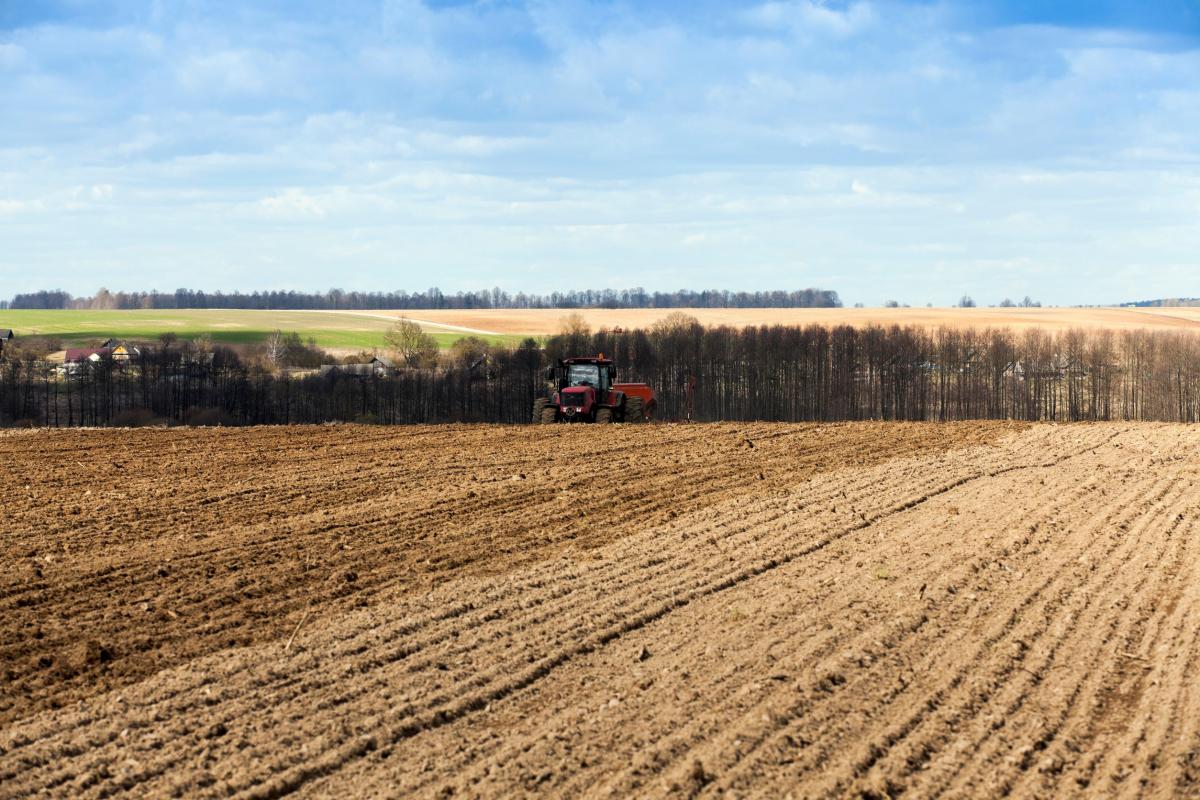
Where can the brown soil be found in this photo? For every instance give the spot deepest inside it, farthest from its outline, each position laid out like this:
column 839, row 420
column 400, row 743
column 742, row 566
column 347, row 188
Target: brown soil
column 858, row 609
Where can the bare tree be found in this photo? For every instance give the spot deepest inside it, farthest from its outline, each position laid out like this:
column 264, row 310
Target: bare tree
column 275, row 348
column 574, row 324
column 410, row 345
column 675, row 322
column 103, row 300
column 966, row 302
column 575, row 335
column 468, row 352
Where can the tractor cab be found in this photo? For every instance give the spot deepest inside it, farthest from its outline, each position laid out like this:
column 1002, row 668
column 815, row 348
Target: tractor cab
column 583, row 384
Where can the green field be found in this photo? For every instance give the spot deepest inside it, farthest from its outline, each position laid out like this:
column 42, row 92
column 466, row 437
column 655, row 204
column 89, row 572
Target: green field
column 344, row 331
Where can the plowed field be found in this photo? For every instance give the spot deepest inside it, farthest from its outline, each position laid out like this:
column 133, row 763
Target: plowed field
column 711, row 610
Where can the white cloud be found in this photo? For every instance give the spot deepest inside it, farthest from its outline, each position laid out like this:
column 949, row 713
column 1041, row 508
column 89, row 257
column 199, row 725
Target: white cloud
column 291, row 204
column 240, row 72
column 136, row 144
column 812, row 17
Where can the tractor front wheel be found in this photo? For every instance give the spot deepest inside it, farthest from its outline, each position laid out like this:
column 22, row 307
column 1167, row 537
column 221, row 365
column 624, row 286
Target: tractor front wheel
column 603, row 415
column 633, row 409
column 543, row 412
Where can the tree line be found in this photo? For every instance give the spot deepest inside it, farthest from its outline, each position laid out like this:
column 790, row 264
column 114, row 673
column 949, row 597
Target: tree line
column 1165, row 302
column 338, row 299
column 706, row 374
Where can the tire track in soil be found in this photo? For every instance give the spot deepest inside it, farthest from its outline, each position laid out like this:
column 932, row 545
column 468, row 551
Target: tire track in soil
column 1072, row 686
column 1052, row 747
column 870, row 752
column 1132, row 687
column 892, row 786
column 1007, row 668
column 1023, row 682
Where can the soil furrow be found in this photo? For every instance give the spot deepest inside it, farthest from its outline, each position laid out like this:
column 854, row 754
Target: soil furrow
column 663, row 610
column 817, row 724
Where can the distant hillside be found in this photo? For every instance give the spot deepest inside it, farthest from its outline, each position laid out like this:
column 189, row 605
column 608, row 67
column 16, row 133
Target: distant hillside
column 1165, row 302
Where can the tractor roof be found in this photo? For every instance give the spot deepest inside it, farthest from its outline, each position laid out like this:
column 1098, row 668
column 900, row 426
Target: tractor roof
column 600, row 359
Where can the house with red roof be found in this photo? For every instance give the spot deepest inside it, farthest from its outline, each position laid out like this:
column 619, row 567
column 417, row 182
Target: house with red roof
column 80, row 355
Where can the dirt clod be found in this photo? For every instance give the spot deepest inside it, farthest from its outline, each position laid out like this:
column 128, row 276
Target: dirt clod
column 86, row 654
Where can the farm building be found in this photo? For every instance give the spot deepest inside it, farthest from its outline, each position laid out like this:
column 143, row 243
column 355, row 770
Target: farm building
column 80, row 355
column 120, row 352
column 124, row 352
column 376, row 367
column 6, row 336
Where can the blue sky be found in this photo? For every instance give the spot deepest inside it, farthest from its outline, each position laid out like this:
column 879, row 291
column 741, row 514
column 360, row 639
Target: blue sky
column 889, row 150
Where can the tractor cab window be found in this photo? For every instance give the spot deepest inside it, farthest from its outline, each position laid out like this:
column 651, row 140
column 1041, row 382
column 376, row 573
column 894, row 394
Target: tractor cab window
column 585, row 375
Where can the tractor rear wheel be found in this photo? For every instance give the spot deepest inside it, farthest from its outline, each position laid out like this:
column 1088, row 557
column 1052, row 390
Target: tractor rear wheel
column 603, row 415
column 633, row 409
column 549, row 415
column 539, row 405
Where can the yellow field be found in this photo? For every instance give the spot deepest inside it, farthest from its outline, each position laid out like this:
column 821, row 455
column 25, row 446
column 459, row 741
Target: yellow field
column 547, row 321
column 349, row 331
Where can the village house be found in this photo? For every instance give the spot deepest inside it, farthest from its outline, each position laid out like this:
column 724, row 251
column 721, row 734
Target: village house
column 6, row 336
column 117, row 352
column 377, row 367
column 124, row 352
column 81, row 355
column 120, row 350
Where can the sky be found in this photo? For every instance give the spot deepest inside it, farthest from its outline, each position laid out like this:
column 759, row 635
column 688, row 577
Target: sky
column 909, row 151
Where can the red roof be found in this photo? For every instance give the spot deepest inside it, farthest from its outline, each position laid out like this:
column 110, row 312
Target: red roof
column 84, row 353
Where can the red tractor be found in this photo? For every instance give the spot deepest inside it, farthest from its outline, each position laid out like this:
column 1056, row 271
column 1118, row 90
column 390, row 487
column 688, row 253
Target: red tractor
column 585, row 390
